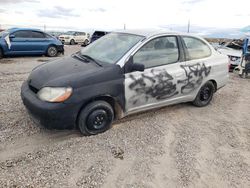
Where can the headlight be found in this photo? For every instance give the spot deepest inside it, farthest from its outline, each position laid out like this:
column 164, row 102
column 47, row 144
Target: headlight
column 54, row 94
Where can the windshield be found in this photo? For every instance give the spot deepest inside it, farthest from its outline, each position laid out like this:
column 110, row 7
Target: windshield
column 111, row 47
column 3, row 33
column 70, row 33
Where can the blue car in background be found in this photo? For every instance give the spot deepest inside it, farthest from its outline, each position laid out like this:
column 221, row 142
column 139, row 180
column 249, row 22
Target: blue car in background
column 21, row 41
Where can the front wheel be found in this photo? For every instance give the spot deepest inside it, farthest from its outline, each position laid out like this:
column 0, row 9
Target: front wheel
column 72, row 42
column 95, row 118
column 205, row 95
column 52, row 51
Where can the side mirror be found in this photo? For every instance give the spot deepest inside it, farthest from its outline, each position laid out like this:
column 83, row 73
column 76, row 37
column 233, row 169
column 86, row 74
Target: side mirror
column 130, row 66
column 138, row 67
column 12, row 36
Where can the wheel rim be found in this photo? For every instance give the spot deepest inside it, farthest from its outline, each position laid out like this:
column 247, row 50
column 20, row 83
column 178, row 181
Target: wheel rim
column 205, row 93
column 52, row 51
column 97, row 120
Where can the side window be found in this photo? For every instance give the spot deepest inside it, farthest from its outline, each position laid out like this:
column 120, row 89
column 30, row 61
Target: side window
column 196, row 48
column 37, row 34
column 157, row 52
column 23, row 34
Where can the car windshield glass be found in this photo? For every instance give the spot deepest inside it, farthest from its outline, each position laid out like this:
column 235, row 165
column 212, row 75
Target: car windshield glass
column 3, row 33
column 111, row 47
column 70, row 33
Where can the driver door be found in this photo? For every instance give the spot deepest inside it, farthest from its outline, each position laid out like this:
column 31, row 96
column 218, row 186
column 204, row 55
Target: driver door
column 157, row 85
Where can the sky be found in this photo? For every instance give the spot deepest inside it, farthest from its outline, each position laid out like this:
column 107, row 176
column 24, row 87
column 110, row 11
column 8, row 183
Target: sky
column 113, row 14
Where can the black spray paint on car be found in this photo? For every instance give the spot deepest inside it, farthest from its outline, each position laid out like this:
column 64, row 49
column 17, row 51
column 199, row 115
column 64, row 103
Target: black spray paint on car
column 160, row 87
column 160, row 84
column 194, row 76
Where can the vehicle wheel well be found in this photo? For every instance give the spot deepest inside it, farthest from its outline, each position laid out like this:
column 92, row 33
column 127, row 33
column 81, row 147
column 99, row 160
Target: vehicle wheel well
column 215, row 84
column 52, row 45
column 118, row 112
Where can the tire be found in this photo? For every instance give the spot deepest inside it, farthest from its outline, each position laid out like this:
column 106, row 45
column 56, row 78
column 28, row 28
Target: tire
column 52, row 51
column 205, row 95
column 72, row 42
column 95, row 118
column 86, row 42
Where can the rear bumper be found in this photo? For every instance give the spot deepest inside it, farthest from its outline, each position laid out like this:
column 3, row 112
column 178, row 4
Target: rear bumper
column 50, row 115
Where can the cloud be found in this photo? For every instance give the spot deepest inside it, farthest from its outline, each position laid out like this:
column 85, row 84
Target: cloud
column 18, row 1
column 192, row 1
column 18, row 12
column 2, row 10
column 57, row 12
column 97, row 10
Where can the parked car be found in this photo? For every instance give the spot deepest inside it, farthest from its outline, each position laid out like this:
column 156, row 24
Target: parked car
column 122, row 73
column 55, row 34
column 74, row 37
column 98, row 34
column 21, row 41
column 233, row 50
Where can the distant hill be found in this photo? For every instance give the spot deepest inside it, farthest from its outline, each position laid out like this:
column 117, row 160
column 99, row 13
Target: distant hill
column 208, row 32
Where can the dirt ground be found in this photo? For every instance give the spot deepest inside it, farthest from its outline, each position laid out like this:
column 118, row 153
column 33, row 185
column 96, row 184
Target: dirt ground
column 176, row 146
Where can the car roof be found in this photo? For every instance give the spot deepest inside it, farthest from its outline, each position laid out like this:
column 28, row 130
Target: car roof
column 146, row 32
column 26, row 29
column 152, row 32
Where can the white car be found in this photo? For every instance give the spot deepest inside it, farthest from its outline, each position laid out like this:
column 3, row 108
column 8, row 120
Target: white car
column 233, row 50
column 74, row 37
column 122, row 73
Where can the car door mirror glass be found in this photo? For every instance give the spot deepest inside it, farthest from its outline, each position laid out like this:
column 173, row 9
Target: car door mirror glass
column 138, row 67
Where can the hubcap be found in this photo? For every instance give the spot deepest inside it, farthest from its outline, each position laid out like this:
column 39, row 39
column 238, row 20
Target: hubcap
column 52, row 51
column 205, row 93
column 97, row 120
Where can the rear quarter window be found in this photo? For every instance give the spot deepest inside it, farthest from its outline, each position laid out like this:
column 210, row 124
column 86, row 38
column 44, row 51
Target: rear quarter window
column 36, row 34
column 196, row 48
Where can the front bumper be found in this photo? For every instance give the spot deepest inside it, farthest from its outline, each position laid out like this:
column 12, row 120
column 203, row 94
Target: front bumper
column 50, row 115
column 60, row 49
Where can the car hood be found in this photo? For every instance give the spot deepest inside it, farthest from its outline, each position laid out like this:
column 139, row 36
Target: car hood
column 230, row 51
column 63, row 72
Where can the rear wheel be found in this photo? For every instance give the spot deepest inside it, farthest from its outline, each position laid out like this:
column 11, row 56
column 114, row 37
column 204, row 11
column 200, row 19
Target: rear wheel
column 72, row 42
column 205, row 94
column 52, row 51
column 95, row 118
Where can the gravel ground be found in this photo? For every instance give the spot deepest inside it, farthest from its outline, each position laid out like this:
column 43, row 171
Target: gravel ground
column 176, row 146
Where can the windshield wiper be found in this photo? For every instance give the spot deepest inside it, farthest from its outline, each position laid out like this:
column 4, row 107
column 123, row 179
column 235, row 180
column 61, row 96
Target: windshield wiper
column 80, row 57
column 92, row 59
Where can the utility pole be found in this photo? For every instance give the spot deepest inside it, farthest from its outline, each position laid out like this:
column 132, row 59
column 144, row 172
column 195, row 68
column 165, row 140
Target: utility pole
column 124, row 26
column 44, row 28
column 188, row 26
